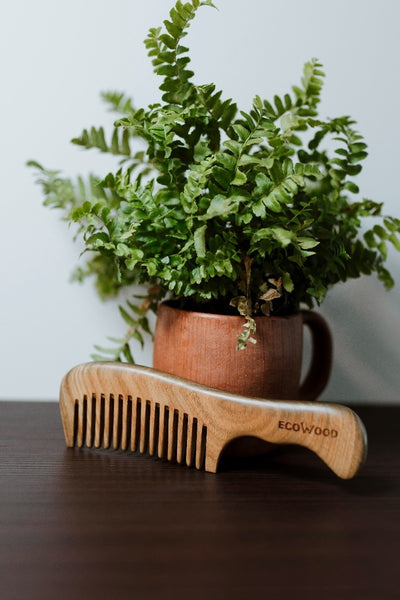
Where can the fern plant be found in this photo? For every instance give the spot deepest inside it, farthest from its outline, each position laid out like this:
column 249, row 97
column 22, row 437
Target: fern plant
column 223, row 209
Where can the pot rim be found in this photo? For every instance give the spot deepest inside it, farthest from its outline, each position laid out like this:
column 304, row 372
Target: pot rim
column 166, row 304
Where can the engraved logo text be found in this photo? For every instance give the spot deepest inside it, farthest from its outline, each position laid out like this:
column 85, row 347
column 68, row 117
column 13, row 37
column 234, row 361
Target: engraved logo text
column 310, row 429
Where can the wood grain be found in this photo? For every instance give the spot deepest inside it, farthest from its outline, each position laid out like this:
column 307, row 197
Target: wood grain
column 201, row 347
column 128, row 405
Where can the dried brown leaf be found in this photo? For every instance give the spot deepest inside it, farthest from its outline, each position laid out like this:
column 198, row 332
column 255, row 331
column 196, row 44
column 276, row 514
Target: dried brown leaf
column 270, row 295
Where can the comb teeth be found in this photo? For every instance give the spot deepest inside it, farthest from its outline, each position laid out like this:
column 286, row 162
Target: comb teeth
column 135, row 424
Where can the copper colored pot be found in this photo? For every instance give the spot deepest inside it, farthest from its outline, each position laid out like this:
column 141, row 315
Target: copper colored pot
column 202, row 347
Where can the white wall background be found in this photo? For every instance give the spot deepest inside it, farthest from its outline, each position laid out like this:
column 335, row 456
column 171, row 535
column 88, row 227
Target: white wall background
column 57, row 56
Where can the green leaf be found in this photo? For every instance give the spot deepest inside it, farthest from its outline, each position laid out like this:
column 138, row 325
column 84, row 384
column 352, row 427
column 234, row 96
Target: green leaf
column 370, row 239
column 172, row 29
column 287, row 282
column 136, row 335
column 288, row 122
column 138, row 311
column 242, row 132
column 395, row 241
column 272, row 203
column 200, row 241
column 385, row 277
column 112, row 351
column 240, row 178
column 283, row 236
column 352, row 187
column 391, row 225
column 127, row 317
column 358, row 157
column 234, row 146
column 357, row 147
column 247, row 159
column 126, row 351
column 267, row 162
column 135, row 255
column 382, row 247
column 263, row 183
column 222, row 177
column 380, row 231
column 258, row 209
column 220, row 206
column 262, row 234
column 35, row 164
column 258, row 104
column 279, row 105
column 226, row 160
column 307, row 243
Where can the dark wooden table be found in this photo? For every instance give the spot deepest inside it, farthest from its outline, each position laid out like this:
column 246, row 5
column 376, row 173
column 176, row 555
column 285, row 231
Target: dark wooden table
column 83, row 524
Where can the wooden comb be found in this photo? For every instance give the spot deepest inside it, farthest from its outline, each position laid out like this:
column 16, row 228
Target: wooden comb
column 138, row 408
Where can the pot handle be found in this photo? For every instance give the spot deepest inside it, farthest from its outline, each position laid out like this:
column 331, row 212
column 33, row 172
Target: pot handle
column 321, row 360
